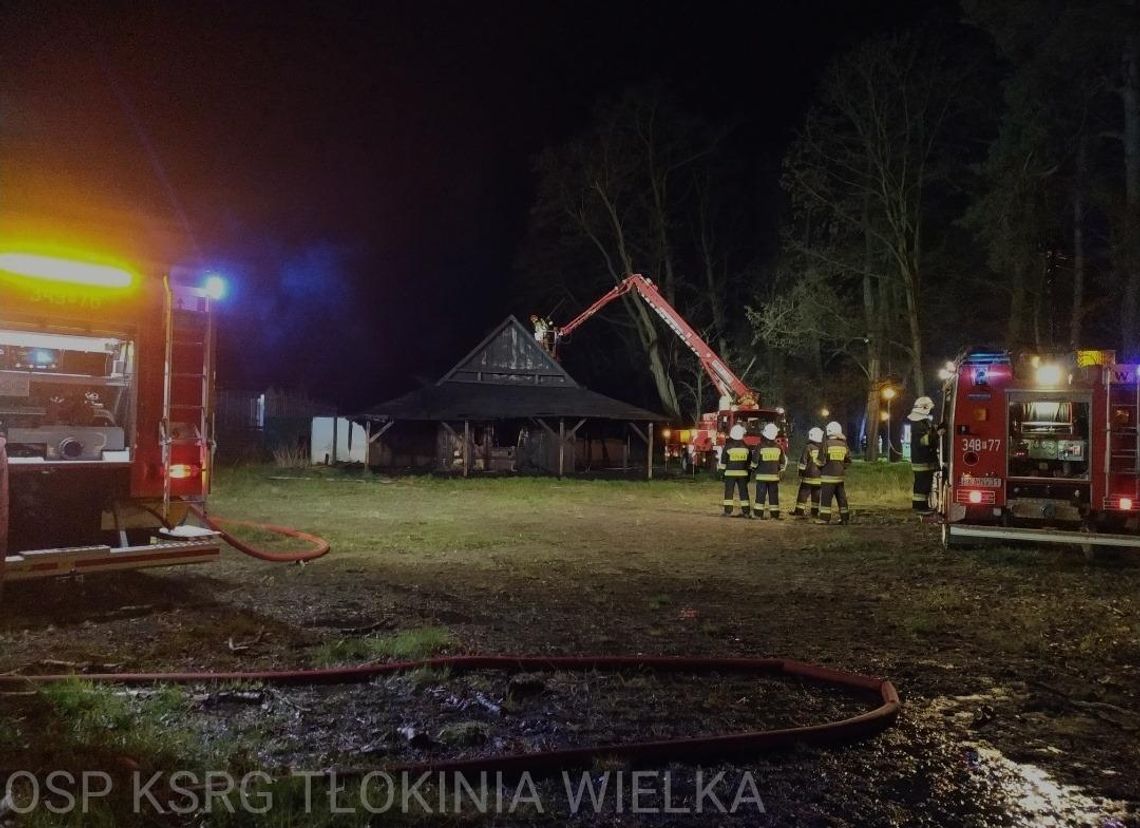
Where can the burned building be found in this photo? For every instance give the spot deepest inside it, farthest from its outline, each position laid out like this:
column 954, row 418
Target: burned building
column 509, row 406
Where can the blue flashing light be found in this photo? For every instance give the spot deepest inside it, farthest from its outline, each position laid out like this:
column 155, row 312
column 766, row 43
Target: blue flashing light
column 215, row 287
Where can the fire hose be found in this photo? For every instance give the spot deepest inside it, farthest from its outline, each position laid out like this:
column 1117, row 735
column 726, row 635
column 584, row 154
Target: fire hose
column 697, row 749
column 693, row 749
column 320, row 545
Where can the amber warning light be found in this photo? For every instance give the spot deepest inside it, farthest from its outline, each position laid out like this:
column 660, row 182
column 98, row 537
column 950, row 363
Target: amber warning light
column 64, row 271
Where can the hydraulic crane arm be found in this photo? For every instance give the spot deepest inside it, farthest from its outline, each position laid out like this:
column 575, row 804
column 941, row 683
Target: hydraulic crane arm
column 725, row 381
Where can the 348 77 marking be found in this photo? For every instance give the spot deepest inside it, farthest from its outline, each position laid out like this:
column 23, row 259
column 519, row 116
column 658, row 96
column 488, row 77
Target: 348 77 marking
column 981, row 444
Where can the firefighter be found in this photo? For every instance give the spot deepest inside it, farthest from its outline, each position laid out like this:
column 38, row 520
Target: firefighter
column 836, row 457
column 810, row 483
column 541, row 330
column 736, row 464
column 923, row 453
column 770, row 462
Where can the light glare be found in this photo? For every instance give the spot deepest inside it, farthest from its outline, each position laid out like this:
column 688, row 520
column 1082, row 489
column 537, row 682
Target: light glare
column 51, row 269
column 215, row 287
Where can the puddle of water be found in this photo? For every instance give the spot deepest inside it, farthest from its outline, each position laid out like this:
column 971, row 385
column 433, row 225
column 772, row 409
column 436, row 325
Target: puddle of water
column 1034, row 796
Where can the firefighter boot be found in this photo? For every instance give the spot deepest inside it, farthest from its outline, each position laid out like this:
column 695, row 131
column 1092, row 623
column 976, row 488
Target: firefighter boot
column 776, row 515
column 799, row 511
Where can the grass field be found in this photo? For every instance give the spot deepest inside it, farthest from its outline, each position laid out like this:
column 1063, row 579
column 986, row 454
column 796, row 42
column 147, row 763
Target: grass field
column 1018, row 667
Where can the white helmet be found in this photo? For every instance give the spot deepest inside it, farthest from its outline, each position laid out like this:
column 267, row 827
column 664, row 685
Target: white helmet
column 815, row 435
column 922, row 408
column 834, row 429
column 770, row 431
column 737, row 432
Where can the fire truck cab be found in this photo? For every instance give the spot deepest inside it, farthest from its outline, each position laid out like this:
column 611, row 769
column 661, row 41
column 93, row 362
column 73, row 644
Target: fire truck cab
column 106, row 394
column 1041, row 448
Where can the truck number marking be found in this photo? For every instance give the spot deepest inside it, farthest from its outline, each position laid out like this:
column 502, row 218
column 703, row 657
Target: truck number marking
column 981, row 444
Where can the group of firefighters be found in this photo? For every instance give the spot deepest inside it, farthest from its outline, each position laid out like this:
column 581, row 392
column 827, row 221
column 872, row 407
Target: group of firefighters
column 822, row 468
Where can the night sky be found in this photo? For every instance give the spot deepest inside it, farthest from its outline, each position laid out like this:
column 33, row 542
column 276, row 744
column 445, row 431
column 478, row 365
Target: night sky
column 361, row 171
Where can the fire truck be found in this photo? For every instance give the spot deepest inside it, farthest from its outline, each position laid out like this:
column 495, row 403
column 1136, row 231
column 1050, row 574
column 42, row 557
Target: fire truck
column 698, row 445
column 1042, row 448
column 106, row 406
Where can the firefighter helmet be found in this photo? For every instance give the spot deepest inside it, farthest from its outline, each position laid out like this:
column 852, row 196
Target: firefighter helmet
column 922, row 408
column 815, row 435
column 834, row 429
column 737, row 432
column 771, row 431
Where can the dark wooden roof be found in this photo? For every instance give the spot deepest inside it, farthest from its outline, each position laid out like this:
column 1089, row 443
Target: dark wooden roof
column 506, row 376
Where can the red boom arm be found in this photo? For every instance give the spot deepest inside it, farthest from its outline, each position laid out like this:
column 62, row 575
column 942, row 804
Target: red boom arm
column 726, row 382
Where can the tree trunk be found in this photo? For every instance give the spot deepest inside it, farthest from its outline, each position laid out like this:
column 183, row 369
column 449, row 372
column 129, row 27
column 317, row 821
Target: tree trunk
column 1130, row 94
column 910, row 282
column 1078, row 245
column 1015, row 332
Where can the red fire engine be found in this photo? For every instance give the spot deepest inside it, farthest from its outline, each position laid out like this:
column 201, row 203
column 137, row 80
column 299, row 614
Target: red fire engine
column 1041, row 448
column 106, row 395
column 698, row 445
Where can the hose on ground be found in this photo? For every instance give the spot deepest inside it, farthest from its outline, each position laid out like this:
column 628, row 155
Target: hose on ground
column 713, row 748
column 320, row 545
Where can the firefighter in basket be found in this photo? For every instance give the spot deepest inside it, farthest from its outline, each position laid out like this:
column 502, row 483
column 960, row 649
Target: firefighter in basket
column 923, row 453
column 810, row 482
column 770, row 463
column 836, row 458
column 736, row 464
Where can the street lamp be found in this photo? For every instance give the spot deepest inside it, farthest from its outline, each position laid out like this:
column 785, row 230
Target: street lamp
column 889, row 393
column 825, row 412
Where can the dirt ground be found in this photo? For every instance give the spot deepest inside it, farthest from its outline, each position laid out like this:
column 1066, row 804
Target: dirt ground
column 1018, row 668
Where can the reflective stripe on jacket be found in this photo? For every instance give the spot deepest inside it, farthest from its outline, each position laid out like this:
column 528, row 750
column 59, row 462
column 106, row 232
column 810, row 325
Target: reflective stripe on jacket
column 836, row 456
column 736, row 459
column 809, row 464
column 770, row 461
column 923, row 446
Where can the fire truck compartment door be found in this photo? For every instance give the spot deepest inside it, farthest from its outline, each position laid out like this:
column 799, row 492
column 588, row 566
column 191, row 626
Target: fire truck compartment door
column 64, row 442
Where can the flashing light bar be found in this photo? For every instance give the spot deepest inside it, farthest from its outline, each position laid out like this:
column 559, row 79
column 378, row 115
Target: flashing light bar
column 65, row 271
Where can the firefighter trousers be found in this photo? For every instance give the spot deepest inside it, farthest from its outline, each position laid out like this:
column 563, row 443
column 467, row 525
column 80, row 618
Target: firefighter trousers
column 740, row 485
column 920, row 495
column 767, row 495
column 836, row 491
column 808, row 495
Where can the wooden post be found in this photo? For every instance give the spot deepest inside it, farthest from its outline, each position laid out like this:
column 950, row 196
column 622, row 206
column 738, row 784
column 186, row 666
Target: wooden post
column 466, row 444
column 333, row 462
column 561, row 445
column 649, row 454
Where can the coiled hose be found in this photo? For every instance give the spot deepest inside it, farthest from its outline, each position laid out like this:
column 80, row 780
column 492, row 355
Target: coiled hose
column 690, row 750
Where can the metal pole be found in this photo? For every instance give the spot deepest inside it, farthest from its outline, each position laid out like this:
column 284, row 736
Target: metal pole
column 649, row 454
column 466, row 443
column 561, row 445
column 3, row 507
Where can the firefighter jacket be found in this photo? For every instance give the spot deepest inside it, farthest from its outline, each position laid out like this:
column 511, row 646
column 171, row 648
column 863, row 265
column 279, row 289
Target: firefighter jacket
column 836, row 457
column 770, row 461
column 810, row 462
column 736, row 459
column 923, row 446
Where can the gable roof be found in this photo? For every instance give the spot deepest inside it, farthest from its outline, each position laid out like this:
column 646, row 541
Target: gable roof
column 509, row 355
column 507, row 376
